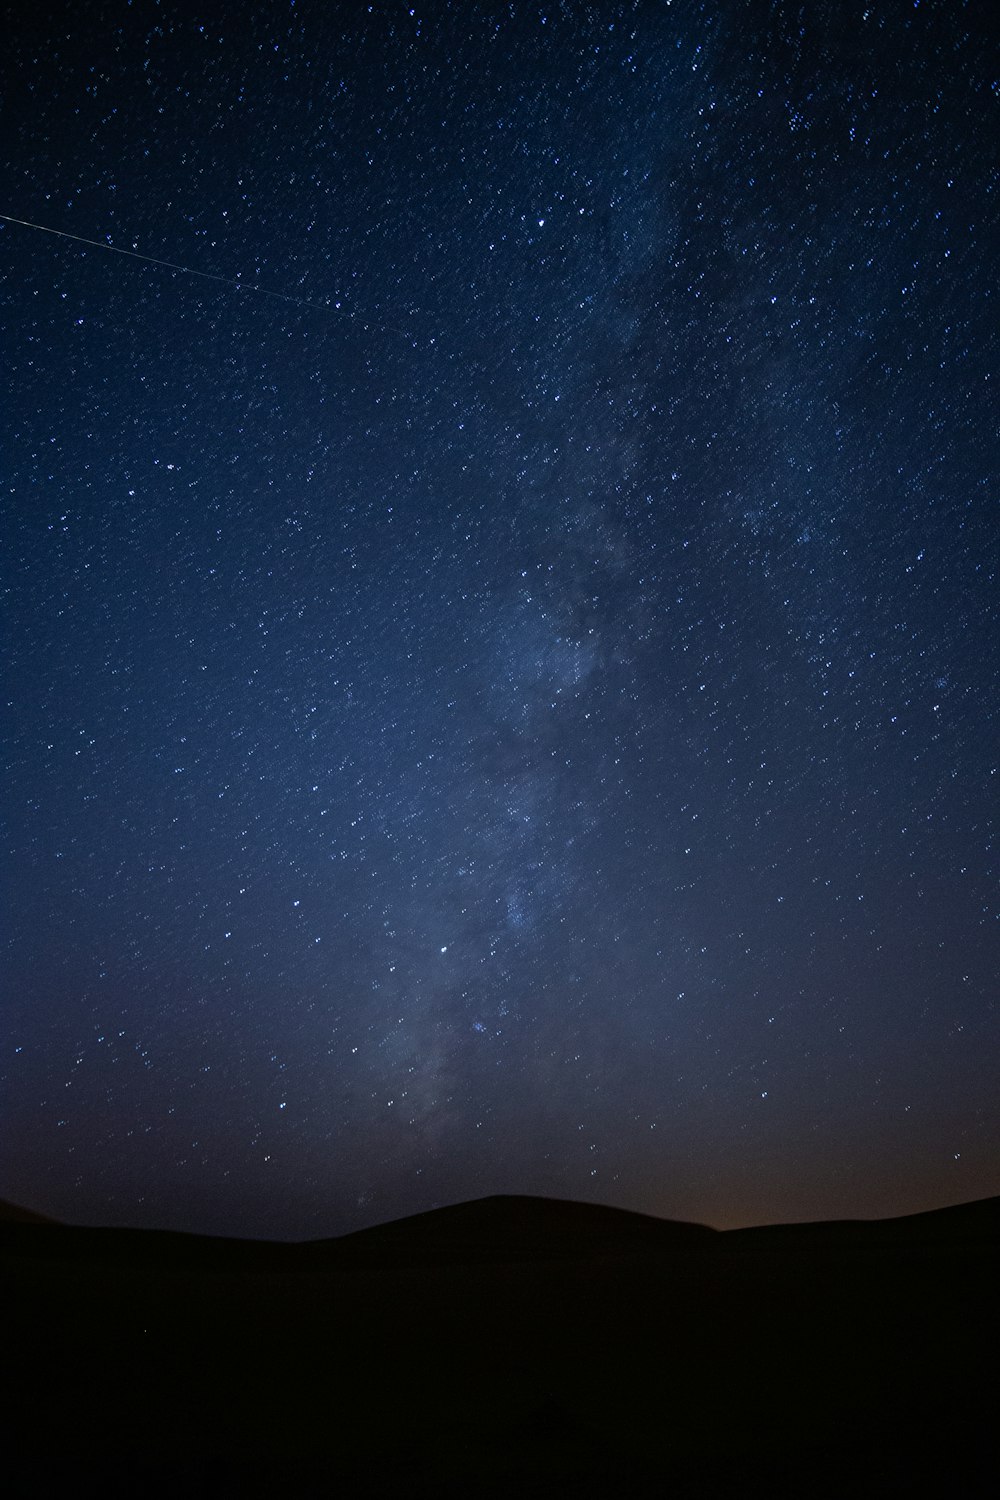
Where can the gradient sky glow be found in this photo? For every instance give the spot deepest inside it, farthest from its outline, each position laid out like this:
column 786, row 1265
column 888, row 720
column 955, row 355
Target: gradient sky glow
column 525, row 723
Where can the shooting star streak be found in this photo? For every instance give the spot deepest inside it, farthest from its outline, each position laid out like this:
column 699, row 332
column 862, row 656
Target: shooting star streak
column 154, row 260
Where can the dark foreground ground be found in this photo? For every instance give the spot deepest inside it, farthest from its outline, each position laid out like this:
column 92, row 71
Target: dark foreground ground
column 508, row 1347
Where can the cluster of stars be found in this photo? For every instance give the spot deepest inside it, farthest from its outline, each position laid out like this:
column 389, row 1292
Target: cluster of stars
column 498, row 710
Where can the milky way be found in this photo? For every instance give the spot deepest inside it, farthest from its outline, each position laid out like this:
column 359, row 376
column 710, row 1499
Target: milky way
column 523, row 721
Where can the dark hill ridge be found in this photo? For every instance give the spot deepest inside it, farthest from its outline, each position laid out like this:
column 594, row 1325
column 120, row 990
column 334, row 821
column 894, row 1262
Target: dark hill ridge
column 976, row 1222
column 521, row 1227
column 506, row 1346
column 10, row 1213
column 496, row 1228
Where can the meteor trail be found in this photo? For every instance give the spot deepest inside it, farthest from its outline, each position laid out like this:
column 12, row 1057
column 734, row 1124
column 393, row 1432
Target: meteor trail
column 173, row 266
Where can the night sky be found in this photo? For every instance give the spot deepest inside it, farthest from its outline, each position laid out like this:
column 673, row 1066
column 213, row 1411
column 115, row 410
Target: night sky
column 514, row 711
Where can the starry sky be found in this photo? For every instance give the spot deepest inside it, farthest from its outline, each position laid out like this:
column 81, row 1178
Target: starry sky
column 501, row 664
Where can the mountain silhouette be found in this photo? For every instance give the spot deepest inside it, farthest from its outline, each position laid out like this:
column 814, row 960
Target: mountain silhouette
column 507, row 1345
column 10, row 1213
column 511, row 1226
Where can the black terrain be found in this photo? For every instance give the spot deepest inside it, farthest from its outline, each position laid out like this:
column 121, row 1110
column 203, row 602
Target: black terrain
column 513, row 1346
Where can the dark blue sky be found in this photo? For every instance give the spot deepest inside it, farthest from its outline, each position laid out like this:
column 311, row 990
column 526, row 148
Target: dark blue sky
column 524, row 722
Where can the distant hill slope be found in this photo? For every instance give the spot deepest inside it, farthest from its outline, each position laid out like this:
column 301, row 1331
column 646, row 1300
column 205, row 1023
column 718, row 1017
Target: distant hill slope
column 502, row 1227
column 510, row 1345
column 515, row 1226
column 486, row 1230
column 10, row 1213
column 959, row 1224
column 511, row 1231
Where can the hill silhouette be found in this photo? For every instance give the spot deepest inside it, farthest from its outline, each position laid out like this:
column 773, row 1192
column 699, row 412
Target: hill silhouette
column 508, row 1345
column 520, row 1227
column 10, row 1213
